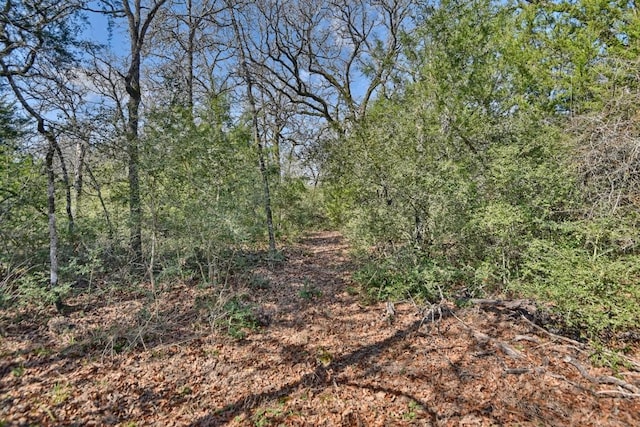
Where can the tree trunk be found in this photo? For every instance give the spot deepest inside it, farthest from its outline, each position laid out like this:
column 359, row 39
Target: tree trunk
column 256, row 131
column 138, row 28
column 107, row 218
column 190, row 54
column 135, row 211
column 53, row 233
column 78, row 179
column 67, row 190
column 265, row 176
column 52, row 148
column 132, row 86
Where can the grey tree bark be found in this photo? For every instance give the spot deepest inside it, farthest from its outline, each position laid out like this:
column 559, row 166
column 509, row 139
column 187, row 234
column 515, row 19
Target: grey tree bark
column 138, row 25
column 253, row 110
column 35, row 37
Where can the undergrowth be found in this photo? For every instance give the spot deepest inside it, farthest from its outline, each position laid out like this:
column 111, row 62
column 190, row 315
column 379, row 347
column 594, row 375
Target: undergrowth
column 406, row 273
column 596, row 295
column 591, row 296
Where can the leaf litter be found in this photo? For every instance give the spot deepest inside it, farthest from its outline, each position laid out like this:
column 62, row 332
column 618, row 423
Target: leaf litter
column 322, row 357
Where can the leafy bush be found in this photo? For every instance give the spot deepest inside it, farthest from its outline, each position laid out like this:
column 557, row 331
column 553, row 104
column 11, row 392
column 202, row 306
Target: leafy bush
column 33, row 289
column 409, row 274
column 238, row 317
column 309, row 291
column 594, row 293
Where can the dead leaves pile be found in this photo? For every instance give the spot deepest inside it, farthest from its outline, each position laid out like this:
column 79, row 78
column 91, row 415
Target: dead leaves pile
column 324, row 359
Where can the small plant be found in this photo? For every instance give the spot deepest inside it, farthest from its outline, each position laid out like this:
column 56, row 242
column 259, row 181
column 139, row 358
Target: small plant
column 411, row 412
column 276, row 257
column 18, row 371
column 185, row 391
column 42, row 351
column 352, row 291
column 238, row 317
column 324, row 357
column 605, row 358
column 268, row 416
column 34, row 289
column 309, row 291
column 60, row 393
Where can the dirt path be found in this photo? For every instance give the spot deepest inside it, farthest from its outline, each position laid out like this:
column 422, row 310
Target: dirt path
column 323, row 359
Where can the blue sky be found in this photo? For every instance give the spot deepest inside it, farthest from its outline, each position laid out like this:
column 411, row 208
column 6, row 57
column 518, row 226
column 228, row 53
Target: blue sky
column 97, row 30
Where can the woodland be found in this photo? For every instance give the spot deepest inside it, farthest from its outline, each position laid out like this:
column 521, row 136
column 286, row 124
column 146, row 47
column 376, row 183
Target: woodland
column 319, row 212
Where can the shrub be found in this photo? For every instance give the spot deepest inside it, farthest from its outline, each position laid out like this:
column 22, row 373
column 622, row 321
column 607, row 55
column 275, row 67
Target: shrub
column 594, row 293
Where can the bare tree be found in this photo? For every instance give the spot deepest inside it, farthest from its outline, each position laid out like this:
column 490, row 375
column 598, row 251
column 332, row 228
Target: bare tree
column 608, row 150
column 188, row 46
column 330, row 57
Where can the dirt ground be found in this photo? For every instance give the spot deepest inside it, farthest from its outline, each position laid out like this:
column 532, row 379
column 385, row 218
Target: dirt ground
column 321, row 358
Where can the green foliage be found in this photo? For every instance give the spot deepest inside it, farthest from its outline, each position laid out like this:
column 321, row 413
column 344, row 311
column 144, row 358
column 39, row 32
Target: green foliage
column 470, row 178
column 238, row 317
column 503, row 158
column 257, row 281
column 22, row 199
column 269, row 416
column 593, row 292
column 601, row 356
column 33, row 289
column 408, row 274
column 454, row 169
column 60, row 393
column 202, row 190
column 297, row 207
column 309, row 291
column 18, row 371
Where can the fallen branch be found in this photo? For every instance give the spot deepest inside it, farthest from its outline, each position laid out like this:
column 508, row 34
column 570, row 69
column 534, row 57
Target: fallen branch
column 508, row 350
column 437, row 312
column 517, row 371
column 565, row 379
column 527, row 338
column 603, row 379
column 521, row 306
column 581, row 346
column 552, row 335
column 614, row 393
column 483, row 340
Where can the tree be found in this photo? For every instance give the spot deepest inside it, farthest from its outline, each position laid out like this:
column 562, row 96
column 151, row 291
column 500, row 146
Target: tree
column 330, row 58
column 248, row 78
column 139, row 18
column 189, row 47
column 456, row 166
column 21, row 184
column 37, row 48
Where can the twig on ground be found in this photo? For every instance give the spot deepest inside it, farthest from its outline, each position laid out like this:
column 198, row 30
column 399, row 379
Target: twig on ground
column 440, row 309
column 527, row 338
column 508, row 350
column 565, row 379
column 617, row 393
column 483, row 340
column 552, row 335
column 517, row 371
column 603, row 379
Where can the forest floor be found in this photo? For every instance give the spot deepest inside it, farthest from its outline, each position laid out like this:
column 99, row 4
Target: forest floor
column 322, row 357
